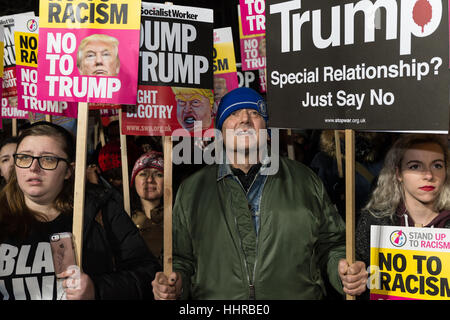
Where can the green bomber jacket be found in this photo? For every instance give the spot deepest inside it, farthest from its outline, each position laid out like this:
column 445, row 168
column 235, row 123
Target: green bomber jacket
column 220, row 256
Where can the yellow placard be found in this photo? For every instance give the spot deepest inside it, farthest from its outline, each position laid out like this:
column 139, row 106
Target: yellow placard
column 26, row 48
column 410, row 274
column 90, row 14
column 224, row 62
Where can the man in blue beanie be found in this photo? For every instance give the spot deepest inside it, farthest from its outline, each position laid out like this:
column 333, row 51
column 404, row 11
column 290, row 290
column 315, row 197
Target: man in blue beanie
column 241, row 234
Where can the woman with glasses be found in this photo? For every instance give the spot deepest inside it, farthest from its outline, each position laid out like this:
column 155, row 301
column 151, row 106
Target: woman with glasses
column 413, row 189
column 38, row 202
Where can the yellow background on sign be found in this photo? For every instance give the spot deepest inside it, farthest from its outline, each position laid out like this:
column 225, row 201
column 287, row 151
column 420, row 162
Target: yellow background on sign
column 224, row 51
column 19, row 48
column 133, row 14
column 411, row 269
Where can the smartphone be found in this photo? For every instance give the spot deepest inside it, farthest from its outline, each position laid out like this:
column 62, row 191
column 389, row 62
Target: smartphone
column 63, row 251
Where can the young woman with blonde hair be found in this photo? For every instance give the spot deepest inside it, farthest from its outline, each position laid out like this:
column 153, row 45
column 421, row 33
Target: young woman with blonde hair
column 413, row 189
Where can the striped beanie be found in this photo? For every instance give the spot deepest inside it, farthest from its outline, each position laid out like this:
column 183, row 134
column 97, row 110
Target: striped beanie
column 151, row 159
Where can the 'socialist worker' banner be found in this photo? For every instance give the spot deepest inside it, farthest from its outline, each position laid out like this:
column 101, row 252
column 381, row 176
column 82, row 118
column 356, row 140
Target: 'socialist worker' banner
column 332, row 67
column 9, row 95
column 89, row 50
column 175, row 72
column 26, row 43
column 253, row 18
column 225, row 72
column 409, row 263
column 253, row 48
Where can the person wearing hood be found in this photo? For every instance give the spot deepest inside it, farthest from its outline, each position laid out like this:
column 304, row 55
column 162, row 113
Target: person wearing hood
column 413, row 189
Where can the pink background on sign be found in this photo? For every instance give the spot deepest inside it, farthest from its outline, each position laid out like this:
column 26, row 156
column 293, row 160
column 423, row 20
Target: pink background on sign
column 231, row 80
column 245, row 13
column 128, row 55
column 70, row 112
column 248, row 62
column 386, row 297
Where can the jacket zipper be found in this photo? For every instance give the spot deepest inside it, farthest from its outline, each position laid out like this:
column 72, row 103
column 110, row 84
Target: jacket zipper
column 251, row 284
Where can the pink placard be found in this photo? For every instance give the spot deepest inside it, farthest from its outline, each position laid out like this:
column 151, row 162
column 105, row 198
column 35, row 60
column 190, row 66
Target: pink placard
column 27, row 88
column 223, row 83
column 253, row 17
column 253, row 53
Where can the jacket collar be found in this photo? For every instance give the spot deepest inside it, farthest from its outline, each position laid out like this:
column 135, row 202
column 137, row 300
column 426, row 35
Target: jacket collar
column 224, row 168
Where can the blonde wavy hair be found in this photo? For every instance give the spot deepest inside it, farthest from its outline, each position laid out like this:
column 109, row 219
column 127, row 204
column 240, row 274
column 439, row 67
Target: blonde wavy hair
column 389, row 192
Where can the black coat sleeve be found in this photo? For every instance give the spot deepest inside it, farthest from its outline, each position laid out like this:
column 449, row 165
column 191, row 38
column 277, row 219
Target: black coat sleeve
column 134, row 265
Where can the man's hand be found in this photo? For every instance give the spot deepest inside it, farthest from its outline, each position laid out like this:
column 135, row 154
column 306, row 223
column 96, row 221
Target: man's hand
column 353, row 277
column 167, row 288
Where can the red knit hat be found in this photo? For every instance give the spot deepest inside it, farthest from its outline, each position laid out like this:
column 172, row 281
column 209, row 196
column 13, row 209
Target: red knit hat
column 151, row 159
column 109, row 156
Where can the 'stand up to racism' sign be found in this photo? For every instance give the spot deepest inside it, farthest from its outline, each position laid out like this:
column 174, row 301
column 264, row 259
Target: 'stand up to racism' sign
column 89, row 50
column 409, row 263
column 333, row 65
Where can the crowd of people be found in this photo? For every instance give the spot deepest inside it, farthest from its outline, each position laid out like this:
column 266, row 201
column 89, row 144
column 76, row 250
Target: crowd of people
column 240, row 231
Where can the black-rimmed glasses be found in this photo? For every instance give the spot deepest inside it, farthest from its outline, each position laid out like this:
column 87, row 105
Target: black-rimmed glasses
column 45, row 162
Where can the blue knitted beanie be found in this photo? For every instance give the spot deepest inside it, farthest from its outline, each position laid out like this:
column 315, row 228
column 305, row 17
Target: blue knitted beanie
column 240, row 98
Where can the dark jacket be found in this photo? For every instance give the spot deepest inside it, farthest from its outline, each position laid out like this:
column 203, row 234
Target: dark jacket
column 115, row 256
column 362, row 234
column 216, row 249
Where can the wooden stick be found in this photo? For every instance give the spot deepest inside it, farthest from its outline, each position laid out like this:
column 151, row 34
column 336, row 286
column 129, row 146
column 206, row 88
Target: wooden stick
column 167, row 145
column 95, row 135
column 350, row 197
column 290, row 145
column 102, row 133
column 80, row 180
column 124, row 158
column 14, row 127
column 337, row 142
column 30, row 117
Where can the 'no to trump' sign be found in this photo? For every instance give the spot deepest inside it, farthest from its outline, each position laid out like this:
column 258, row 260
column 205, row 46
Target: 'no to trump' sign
column 89, row 50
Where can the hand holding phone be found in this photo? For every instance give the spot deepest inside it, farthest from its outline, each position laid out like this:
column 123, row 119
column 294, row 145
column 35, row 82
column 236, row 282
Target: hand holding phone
column 62, row 251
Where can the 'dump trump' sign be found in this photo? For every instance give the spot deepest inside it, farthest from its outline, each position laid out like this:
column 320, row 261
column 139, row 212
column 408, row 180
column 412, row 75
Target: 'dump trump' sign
column 89, row 50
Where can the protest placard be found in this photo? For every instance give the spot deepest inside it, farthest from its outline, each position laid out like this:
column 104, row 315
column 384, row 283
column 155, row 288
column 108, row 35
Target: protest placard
column 2, row 47
column 409, row 263
column 224, row 64
column 93, row 36
column 253, row 16
column 175, row 72
column 26, row 30
column 89, row 51
column 9, row 85
column 330, row 67
column 253, row 48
